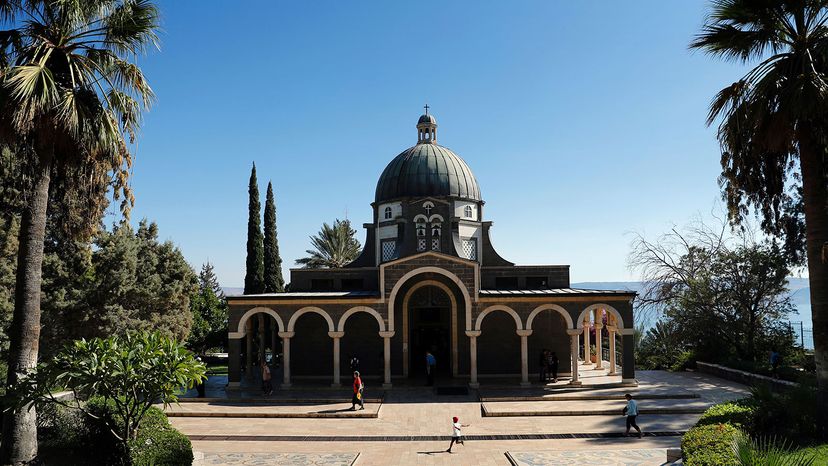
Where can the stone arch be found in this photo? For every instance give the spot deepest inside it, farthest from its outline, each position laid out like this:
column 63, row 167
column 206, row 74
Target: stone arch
column 354, row 310
column 305, row 310
column 420, row 218
column 606, row 307
column 498, row 307
column 454, row 278
column 552, row 307
column 436, row 216
column 244, row 318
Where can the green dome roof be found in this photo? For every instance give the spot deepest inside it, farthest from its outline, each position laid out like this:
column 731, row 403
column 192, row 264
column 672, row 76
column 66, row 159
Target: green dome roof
column 427, row 170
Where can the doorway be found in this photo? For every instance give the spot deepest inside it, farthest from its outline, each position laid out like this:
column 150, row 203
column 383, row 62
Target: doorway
column 429, row 330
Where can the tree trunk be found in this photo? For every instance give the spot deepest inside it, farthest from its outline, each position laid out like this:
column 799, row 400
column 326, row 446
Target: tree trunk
column 19, row 428
column 815, row 198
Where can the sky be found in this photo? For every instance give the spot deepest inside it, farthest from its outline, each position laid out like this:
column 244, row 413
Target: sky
column 584, row 122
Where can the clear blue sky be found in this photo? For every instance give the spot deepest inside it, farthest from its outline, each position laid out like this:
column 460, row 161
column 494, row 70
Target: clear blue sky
column 583, row 121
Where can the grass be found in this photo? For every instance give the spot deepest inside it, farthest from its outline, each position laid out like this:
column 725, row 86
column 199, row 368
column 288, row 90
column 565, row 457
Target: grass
column 821, row 452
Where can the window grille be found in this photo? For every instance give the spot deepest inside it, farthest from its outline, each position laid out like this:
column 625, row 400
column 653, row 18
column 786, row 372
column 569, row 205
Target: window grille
column 435, row 244
column 470, row 248
column 421, row 244
column 389, row 249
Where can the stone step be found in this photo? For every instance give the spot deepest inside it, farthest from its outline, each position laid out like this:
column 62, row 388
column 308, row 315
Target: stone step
column 289, row 410
column 590, row 408
column 587, row 395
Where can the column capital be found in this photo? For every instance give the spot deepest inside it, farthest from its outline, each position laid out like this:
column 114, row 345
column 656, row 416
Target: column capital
column 612, row 328
column 235, row 335
column 523, row 333
column 473, row 333
column 335, row 334
column 287, row 334
column 389, row 334
column 598, row 325
column 574, row 331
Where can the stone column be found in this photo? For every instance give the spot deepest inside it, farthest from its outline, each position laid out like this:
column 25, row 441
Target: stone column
column 286, row 336
column 386, row 351
column 599, row 345
column 336, row 375
column 234, row 362
column 587, row 352
column 627, row 357
column 274, row 327
column 473, row 334
column 262, row 340
column 524, row 357
column 573, row 338
column 248, row 353
column 611, row 329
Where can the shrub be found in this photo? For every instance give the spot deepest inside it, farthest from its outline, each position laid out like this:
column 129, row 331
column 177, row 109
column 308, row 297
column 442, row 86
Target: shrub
column 685, row 360
column 86, row 440
column 737, row 413
column 157, row 447
column 709, row 445
column 789, row 414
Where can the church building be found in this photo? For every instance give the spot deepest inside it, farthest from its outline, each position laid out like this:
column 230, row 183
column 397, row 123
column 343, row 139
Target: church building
column 429, row 279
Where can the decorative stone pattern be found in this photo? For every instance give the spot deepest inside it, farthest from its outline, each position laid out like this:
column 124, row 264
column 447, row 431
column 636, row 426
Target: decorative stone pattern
column 294, row 459
column 652, row 456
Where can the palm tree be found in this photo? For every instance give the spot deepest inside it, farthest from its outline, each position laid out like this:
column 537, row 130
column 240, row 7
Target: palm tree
column 70, row 105
column 772, row 128
column 334, row 246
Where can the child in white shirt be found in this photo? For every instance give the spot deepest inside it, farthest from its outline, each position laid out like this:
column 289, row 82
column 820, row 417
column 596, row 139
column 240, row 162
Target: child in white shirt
column 457, row 434
column 631, row 411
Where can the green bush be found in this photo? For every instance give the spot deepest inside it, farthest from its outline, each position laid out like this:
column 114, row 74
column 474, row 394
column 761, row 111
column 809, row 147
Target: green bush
column 162, row 447
column 685, row 360
column 737, row 413
column 89, row 441
column 709, row 445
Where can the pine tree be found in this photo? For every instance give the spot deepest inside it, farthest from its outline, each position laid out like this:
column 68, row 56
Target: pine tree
column 254, row 274
column 272, row 262
column 208, row 281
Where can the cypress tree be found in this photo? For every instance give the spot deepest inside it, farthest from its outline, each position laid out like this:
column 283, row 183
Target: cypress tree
column 272, row 262
column 254, row 273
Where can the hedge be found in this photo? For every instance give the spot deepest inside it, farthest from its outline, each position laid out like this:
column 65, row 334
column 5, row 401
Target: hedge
column 709, row 445
column 738, row 413
column 83, row 439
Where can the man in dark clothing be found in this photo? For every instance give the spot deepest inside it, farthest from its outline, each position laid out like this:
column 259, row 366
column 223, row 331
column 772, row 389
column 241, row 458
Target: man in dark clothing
column 354, row 364
column 543, row 373
column 553, row 366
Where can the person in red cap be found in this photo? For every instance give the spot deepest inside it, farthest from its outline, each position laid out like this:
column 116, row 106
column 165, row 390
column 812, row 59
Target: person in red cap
column 457, row 434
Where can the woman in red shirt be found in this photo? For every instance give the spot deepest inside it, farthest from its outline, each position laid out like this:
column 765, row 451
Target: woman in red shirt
column 358, row 387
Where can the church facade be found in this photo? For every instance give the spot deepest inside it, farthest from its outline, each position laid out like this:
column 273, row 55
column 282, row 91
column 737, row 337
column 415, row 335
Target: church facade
column 429, row 279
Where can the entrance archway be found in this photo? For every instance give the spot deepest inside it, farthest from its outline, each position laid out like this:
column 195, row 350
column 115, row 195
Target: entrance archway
column 431, row 315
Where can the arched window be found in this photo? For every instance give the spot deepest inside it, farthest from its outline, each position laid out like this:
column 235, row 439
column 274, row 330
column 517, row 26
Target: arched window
column 436, row 230
column 421, row 229
column 387, row 212
column 467, row 212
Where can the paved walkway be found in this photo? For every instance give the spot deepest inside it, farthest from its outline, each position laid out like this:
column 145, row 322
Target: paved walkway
column 418, row 413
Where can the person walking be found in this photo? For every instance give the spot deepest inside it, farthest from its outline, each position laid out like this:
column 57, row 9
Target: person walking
column 431, row 365
column 359, row 397
column 774, row 362
column 267, row 386
column 456, row 433
column 542, row 372
column 631, row 411
column 553, row 366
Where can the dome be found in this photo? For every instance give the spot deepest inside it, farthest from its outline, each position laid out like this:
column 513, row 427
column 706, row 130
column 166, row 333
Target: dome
column 427, row 119
column 427, row 170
